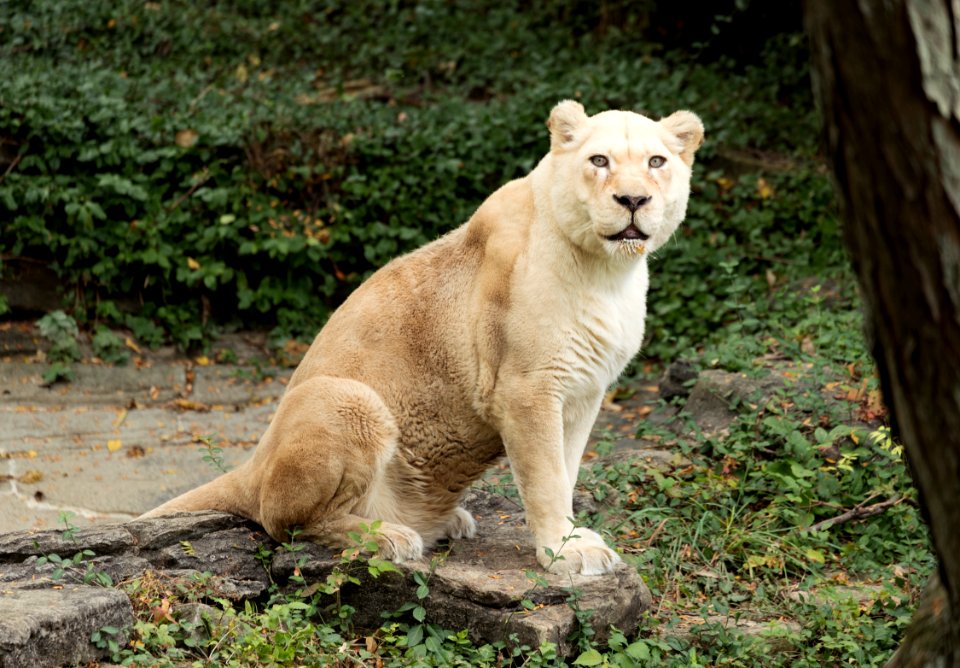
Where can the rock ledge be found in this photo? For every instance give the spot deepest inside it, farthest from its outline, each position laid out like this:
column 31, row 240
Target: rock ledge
column 476, row 584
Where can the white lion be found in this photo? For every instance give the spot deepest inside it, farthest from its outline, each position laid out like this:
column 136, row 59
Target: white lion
column 498, row 338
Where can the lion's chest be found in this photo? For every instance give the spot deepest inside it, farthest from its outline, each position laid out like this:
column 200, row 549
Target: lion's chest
column 589, row 335
column 599, row 341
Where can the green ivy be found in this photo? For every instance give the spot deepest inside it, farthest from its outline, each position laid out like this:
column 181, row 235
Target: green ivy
column 185, row 166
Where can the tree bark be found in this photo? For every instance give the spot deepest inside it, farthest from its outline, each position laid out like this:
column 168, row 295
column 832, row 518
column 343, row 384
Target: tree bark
column 887, row 76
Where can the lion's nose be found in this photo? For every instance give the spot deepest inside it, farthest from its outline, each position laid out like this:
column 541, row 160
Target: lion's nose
column 631, row 202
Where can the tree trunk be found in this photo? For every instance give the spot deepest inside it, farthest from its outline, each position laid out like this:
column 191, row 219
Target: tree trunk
column 887, row 76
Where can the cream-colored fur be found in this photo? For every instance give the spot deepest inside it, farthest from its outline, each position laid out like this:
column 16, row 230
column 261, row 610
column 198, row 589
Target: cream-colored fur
column 499, row 338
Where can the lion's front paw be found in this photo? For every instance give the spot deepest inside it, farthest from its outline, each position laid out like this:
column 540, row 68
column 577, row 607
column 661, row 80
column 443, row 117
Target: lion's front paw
column 461, row 524
column 399, row 542
column 583, row 552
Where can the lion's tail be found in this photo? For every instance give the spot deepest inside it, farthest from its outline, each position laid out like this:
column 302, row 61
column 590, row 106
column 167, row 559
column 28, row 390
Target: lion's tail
column 225, row 493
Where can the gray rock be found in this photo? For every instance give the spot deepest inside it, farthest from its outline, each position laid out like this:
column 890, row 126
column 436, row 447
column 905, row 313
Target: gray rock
column 777, row 635
column 484, row 584
column 198, row 619
column 862, row 594
column 480, row 585
column 102, row 540
column 160, row 532
column 677, row 380
column 53, row 626
column 712, row 401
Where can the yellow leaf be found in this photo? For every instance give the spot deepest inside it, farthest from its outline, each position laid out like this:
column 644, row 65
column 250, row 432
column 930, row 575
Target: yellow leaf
column 31, row 477
column 114, row 444
column 32, row 454
column 193, row 264
column 132, row 345
column 764, row 189
column 203, row 360
column 242, row 73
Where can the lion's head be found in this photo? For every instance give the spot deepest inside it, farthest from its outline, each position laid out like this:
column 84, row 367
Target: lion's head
column 619, row 181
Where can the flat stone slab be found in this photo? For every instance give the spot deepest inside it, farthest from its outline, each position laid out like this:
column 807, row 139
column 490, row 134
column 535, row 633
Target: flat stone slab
column 490, row 585
column 481, row 584
column 51, row 625
column 112, row 463
column 22, row 382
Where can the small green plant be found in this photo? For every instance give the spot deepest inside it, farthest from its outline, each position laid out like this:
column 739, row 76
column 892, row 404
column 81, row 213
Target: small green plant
column 584, row 633
column 214, row 453
column 80, row 566
column 108, row 638
column 109, row 347
column 62, row 333
column 537, row 578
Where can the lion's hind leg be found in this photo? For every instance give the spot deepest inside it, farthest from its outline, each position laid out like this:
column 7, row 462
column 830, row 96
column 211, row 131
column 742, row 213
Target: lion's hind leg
column 328, row 447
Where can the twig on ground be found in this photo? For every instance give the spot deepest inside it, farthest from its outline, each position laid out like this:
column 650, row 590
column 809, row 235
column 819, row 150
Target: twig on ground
column 858, row 512
column 16, row 161
column 204, row 177
column 656, row 532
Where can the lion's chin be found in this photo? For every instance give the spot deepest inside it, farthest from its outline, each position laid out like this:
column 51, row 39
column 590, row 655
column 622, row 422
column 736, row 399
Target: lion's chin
column 625, row 248
column 632, row 247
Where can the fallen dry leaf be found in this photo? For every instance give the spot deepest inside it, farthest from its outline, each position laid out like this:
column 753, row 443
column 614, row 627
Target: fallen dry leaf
column 763, row 189
column 135, row 451
column 186, row 138
column 188, row 405
column 162, row 611
column 30, row 477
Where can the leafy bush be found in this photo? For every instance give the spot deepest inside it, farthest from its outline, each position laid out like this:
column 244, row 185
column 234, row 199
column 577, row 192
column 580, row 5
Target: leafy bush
column 189, row 166
column 60, row 332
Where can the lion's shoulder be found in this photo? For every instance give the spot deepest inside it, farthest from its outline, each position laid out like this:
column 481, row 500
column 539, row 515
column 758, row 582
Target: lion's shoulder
column 502, row 222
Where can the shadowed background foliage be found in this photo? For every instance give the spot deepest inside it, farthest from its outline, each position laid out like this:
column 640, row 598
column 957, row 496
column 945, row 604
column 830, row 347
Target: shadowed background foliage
column 185, row 167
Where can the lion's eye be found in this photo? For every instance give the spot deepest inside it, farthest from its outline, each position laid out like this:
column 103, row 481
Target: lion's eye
column 599, row 161
column 657, row 161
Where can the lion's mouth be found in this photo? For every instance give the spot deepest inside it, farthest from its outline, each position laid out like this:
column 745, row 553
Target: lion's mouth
column 630, row 233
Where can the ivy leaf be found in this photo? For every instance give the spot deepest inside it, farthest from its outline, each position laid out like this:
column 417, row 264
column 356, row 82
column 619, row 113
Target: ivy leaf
column 589, row 658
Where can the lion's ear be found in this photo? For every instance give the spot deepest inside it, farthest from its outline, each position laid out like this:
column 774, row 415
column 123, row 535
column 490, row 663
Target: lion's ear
column 688, row 128
column 565, row 119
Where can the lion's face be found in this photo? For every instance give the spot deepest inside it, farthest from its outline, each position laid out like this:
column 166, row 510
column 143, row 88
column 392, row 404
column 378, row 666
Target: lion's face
column 623, row 178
